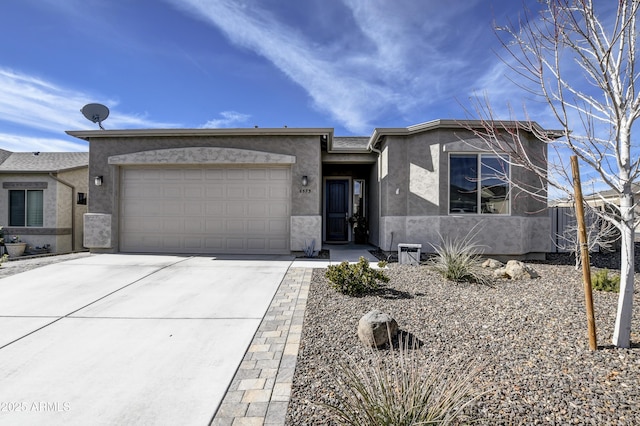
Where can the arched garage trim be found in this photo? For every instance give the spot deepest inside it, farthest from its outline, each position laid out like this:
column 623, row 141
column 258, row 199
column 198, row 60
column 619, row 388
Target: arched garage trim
column 201, row 156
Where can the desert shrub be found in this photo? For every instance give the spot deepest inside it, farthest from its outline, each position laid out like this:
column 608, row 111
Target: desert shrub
column 459, row 260
column 356, row 279
column 400, row 390
column 602, row 281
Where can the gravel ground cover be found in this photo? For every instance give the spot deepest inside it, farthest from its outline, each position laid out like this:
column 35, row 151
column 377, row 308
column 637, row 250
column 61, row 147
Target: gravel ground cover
column 12, row 267
column 529, row 338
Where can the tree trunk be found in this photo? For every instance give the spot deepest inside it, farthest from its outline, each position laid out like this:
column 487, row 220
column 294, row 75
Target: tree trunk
column 622, row 330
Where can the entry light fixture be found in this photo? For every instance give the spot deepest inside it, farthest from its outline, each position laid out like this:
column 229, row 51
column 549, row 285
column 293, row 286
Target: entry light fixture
column 305, row 180
column 97, row 180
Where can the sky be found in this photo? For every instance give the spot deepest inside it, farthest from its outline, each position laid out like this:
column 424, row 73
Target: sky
column 351, row 65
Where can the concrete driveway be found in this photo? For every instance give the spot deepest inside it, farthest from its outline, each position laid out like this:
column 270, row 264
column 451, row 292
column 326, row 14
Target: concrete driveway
column 128, row 339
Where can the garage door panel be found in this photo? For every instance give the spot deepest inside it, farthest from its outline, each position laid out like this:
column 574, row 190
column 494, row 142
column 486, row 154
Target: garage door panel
column 257, row 174
column 278, row 193
column 193, row 174
column 214, row 175
column 194, row 225
column 234, row 209
column 215, row 226
column 235, row 174
column 235, row 244
column 236, row 192
column 172, row 175
column 214, row 209
column 194, row 191
column 278, row 210
column 194, row 208
column 205, row 209
column 255, row 244
column 257, row 210
column 277, row 227
column 278, row 244
column 258, row 193
column 235, row 226
column 172, row 208
column 256, row 226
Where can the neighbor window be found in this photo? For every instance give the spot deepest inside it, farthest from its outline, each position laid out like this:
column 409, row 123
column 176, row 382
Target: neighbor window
column 478, row 184
column 25, row 208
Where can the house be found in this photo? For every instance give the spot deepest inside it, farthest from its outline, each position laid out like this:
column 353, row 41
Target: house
column 272, row 190
column 43, row 198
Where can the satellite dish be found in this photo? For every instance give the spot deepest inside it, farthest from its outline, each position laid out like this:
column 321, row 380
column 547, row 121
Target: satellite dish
column 96, row 113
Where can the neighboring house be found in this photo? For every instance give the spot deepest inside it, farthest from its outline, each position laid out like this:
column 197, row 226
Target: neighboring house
column 276, row 190
column 43, row 198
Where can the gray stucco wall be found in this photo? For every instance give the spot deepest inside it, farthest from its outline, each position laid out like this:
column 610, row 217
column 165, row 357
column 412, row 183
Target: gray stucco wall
column 414, row 193
column 306, row 220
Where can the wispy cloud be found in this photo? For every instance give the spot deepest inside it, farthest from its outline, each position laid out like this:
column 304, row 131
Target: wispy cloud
column 229, row 119
column 389, row 59
column 43, row 107
column 36, row 103
column 21, row 143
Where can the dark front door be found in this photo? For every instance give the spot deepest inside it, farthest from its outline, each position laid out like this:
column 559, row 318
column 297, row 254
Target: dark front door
column 337, row 203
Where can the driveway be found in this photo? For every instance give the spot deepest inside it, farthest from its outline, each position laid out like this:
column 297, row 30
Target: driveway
column 128, row 339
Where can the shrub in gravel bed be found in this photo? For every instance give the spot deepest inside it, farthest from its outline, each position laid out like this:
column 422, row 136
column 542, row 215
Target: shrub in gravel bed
column 602, row 281
column 459, row 260
column 398, row 390
column 529, row 337
column 356, row 279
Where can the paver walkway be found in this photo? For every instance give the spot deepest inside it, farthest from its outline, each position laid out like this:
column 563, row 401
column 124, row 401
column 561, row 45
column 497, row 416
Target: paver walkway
column 260, row 391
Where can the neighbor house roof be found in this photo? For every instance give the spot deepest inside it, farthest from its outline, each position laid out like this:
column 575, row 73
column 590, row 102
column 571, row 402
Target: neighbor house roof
column 41, row 162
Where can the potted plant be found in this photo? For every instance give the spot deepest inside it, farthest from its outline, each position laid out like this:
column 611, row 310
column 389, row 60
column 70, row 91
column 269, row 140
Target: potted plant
column 360, row 229
column 14, row 246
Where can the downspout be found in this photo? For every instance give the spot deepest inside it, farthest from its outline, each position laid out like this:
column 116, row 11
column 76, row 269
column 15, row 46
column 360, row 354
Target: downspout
column 73, row 208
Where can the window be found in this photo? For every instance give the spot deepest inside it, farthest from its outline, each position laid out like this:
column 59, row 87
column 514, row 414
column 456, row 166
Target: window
column 25, row 208
column 478, row 184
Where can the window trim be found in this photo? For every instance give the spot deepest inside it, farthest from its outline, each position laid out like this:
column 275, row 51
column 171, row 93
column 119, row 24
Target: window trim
column 478, row 155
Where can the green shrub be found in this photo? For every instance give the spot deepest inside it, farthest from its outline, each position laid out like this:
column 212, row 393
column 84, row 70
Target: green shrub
column 602, row 281
column 401, row 391
column 356, row 279
column 459, row 260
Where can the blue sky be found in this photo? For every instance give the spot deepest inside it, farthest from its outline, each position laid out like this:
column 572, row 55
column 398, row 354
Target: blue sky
column 348, row 64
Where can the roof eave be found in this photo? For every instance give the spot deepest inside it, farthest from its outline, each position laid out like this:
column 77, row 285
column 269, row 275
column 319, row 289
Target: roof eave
column 129, row 133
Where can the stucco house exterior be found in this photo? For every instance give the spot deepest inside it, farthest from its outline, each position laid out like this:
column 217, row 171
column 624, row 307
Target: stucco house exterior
column 274, row 190
column 43, row 198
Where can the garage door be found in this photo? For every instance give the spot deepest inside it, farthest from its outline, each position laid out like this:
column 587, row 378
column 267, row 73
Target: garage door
column 205, row 209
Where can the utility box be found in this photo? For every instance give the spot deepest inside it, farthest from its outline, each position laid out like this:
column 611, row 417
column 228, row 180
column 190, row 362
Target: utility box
column 409, row 254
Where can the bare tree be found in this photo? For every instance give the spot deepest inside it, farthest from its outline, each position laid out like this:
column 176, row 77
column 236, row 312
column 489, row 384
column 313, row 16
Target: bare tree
column 601, row 235
column 582, row 63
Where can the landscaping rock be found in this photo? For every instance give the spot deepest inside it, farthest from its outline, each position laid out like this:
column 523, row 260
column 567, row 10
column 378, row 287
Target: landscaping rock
column 376, row 328
column 516, row 270
column 492, row 264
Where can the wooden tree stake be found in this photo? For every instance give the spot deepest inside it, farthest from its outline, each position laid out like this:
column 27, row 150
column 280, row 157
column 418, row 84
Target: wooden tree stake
column 584, row 253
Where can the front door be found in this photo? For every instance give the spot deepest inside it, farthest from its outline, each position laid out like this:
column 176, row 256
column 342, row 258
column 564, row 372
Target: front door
column 337, row 208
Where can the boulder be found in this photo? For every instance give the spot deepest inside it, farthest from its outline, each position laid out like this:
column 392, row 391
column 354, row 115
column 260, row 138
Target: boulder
column 375, row 328
column 516, row 270
column 492, row 264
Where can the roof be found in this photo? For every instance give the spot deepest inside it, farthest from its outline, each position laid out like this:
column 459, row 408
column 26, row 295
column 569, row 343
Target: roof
column 612, row 193
column 350, row 144
column 380, row 132
column 41, row 162
column 256, row 131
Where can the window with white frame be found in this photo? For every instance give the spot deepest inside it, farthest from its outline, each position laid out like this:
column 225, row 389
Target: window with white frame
column 26, row 207
column 478, row 184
